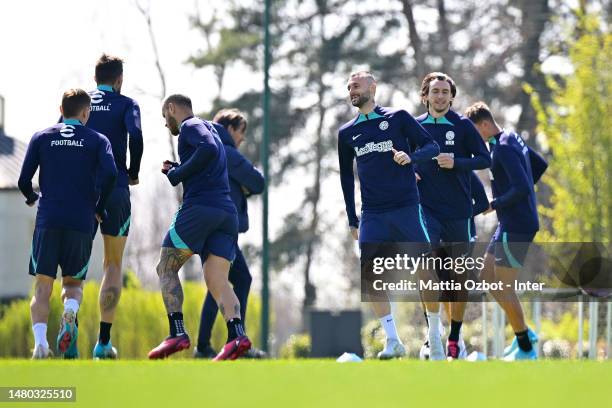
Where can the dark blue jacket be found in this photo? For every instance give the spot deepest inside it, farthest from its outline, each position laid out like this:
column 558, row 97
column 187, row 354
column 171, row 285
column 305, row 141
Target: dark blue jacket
column 69, row 157
column 370, row 141
column 515, row 169
column 115, row 116
column 241, row 173
column 446, row 192
column 203, row 167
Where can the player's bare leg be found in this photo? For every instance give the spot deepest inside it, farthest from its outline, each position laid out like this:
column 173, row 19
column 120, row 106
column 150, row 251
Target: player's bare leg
column 39, row 310
column 110, row 293
column 112, row 281
column 170, row 262
column 216, row 270
column 509, row 302
column 507, row 298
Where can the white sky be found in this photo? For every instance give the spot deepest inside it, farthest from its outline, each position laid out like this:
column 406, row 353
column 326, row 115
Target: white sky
column 48, row 47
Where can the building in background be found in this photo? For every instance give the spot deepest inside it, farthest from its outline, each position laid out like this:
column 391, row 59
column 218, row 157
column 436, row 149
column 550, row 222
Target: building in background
column 17, row 222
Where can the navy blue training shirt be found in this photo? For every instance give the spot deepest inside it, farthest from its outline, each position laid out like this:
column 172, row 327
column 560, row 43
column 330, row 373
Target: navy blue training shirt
column 69, row 156
column 203, row 168
column 384, row 184
column 115, row 116
column 479, row 195
column 512, row 182
column 241, row 174
column 446, row 192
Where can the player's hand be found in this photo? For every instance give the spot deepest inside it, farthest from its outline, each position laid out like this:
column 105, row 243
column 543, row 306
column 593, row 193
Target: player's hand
column 446, row 160
column 416, row 175
column 400, row 157
column 167, row 165
column 488, row 210
column 99, row 218
column 355, row 233
column 32, row 200
column 133, row 182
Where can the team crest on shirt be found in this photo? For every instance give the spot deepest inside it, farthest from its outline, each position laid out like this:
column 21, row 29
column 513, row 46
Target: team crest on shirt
column 384, row 125
column 450, row 136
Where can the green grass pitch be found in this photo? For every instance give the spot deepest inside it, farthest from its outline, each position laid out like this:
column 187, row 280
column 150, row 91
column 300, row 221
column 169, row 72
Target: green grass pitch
column 317, row 383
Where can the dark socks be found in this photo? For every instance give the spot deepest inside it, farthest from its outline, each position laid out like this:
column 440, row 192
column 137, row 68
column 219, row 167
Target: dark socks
column 177, row 326
column 234, row 329
column 523, row 341
column 455, row 330
column 105, row 329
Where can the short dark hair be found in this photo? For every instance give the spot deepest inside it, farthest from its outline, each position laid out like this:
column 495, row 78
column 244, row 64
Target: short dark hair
column 231, row 117
column 363, row 74
column 74, row 101
column 479, row 112
column 108, row 69
column 178, row 99
column 440, row 76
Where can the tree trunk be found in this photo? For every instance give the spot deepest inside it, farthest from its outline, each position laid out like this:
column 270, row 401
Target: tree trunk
column 535, row 15
column 415, row 41
column 444, row 37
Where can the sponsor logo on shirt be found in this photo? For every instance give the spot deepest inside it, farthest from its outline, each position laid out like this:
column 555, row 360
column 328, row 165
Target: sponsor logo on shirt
column 356, row 136
column 67, row 131
column 67, row 142
column 450, row 136
column 384, row 125
column 381, row 147
column 97, row 97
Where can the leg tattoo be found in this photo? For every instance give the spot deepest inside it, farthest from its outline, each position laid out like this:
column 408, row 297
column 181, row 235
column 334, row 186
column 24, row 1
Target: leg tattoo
column 170, row 262
column 109, row 297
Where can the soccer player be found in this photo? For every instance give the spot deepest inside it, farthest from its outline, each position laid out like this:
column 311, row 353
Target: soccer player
column 515, row 169
column 115, row 116
column 445, row 190
column 206, row 224
column 481, row 203
column 385, row 143
column 244, row 180
column 70, row 156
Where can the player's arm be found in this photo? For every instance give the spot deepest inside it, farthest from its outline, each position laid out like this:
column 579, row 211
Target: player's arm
column 520, row 185
column 346, row 157
column 205, row 150
column 133, row 125
column 479, row 195
column 538, row 164
column 108, row 174
column 28, row 169
column 425, row 148
column 244, row 173
column 481, row 158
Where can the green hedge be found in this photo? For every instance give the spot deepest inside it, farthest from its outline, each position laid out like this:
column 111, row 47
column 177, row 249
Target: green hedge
column 140, row 323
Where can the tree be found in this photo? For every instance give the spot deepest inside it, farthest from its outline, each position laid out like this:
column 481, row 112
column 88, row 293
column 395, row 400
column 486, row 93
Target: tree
column 577, row 126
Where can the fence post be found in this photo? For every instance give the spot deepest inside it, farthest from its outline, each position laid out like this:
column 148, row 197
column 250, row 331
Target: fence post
column 580, row 326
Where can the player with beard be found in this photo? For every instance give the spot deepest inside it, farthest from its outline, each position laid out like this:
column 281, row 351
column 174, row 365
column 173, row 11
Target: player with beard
column 386, row 143
column 445, row 190
column 206, row 223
